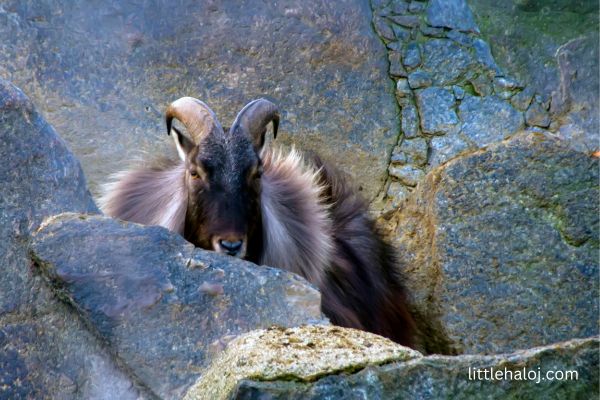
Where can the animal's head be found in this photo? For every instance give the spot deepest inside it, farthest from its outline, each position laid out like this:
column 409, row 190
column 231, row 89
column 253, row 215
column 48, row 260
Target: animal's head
column 222, row 172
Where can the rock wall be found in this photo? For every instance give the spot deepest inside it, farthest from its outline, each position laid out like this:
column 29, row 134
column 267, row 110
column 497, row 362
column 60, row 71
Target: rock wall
column 454, row 96
column 478, row 149
column 105, row 79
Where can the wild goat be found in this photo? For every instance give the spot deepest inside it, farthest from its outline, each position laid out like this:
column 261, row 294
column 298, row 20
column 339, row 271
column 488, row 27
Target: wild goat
column 230, row 194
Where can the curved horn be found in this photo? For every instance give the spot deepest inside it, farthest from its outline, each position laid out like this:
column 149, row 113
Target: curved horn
column 253, row 121
column 198, row 118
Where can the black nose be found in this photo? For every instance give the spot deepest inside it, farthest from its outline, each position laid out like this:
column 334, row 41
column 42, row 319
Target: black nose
column 231, row 248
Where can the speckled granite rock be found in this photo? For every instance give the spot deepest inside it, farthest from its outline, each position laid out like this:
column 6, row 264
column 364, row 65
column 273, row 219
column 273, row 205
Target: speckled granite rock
column 301, row 354
column 161, row 305
column 446, row 61
column 451, row 14
column 262, row 365
column 436, row 110
column 501, row 247
column 486, row 120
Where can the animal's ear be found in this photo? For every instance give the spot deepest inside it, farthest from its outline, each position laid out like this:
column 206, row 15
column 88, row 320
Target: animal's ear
column 183, row 144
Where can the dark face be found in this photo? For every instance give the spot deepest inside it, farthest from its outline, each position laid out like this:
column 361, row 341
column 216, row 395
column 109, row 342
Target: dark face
column 223, row 179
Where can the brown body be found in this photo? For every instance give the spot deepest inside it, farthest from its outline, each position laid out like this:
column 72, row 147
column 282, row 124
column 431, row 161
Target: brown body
column 231, row 195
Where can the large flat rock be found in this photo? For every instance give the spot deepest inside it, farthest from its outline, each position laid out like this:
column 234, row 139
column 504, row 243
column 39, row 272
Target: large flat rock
column 345, row 364
column 103, row 73
column 501, row 247
column 164, row 308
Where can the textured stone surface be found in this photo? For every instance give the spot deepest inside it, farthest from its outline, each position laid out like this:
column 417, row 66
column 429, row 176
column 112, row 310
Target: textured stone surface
column 403, row 88
column 411, row 151
column 501, row 247
column 103, row 73
column 552, row 47
column 407, row 174
column 483, row 54
column 419, row 79
column 436, row 111
column 410, row 120
column 397, row 193
column 536, row 115
column 454, row 14
column 161, row 305
column 301, row 354
column 486, row 120
column 412, row 55
column 46, row 351
column 443, row 148
column 577, row 98
column 446, row 61
column 433, row 377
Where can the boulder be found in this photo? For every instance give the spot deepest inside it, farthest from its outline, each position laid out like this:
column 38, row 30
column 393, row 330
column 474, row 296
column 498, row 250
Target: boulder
column 486, row 120
column 46, row 349
column 105, row 82
column 164, row 307
column 336, row 363
column 451, row 14
column 501, row 247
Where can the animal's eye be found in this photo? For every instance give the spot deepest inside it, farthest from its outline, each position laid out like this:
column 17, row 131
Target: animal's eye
column 194, row 174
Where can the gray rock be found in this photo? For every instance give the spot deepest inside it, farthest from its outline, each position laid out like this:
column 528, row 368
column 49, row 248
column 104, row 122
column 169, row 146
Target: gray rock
column 403, row 89
column 410, row 121
column 419, row 79
column 163, row 306
column 506, row 83
column 412, row 55
column 108, row 105
column 577, row 98
column 459, row 92
column 454, row 14
column 407, row 174
column 411, row 151
column 433, row 32
column 407, row 21
column 446, row 61
column 396, row 67
column 402, row 34
column 504, row 255
column 299, row 354
column 436, row 110
column 536, row 115
column 439, row 377
column 482, row 85
column 47, row 351
column 483, row 54
column 397, row 193
column 486, row 120
column 399, row 7
column 383, row 29
column 459, row 37
column 394, row 46
column 416, row 7
column 522, row 100
column 378, row 4
column 444, row 148
column 525, row 43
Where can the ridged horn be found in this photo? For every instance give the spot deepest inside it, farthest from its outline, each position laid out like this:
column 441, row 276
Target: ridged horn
column 253, row 121
column 196, row 116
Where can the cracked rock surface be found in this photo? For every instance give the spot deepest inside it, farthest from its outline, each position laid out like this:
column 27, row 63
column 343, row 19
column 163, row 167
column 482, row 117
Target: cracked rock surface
column 500, row 247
